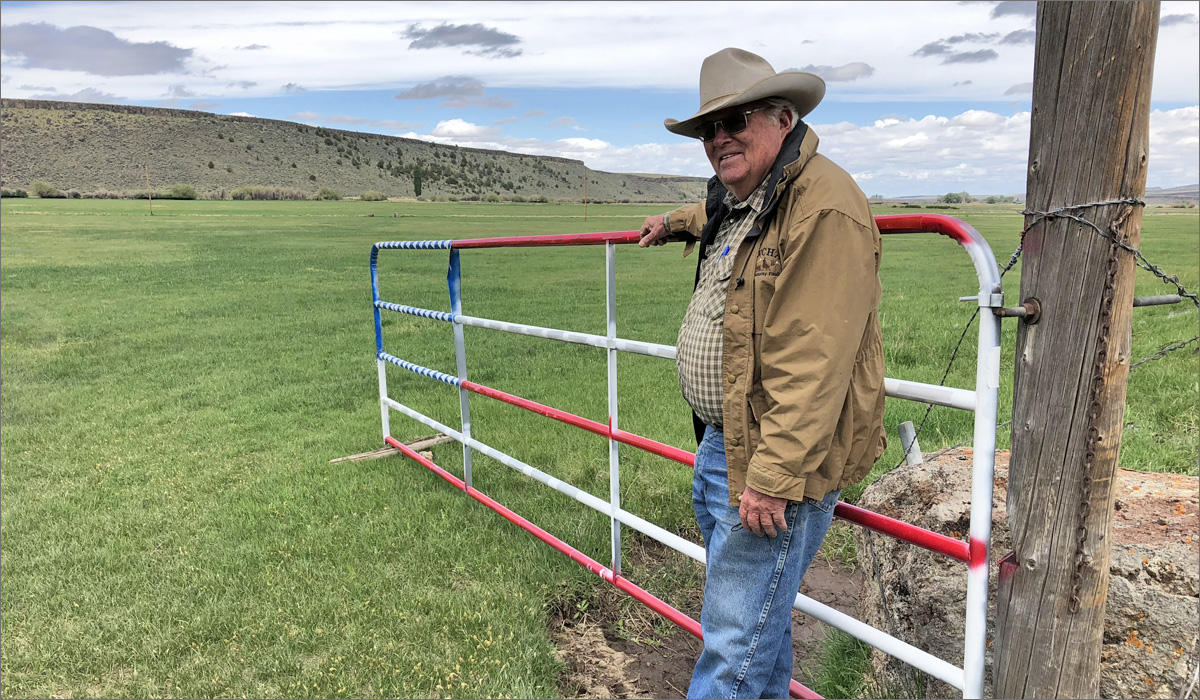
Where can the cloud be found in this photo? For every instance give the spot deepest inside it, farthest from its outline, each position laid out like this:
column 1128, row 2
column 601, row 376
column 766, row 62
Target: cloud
column 457, row 128
column 1020, row 89
column 253, row 47
column 457, row 86
column 1171, row 20
column 506, row 120
column 243, row 114
column 460, row 91
column 1174, row 145
column 980, row 56
column 942, row 47
column 563, row 121
column 972, row 37
column 43, row 88
column 1020, row 36
column 91, row 50
column 492, row 43
column 179, row 91
column 201, row 106
column 533, row 113
column 243, row 84
column 293, row 88
column 960, row 83
column 933, row 48
column 1015, row 7
column 850, row 71
column 84, row 95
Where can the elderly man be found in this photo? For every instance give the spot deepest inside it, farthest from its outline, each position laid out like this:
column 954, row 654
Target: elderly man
column 779, row 357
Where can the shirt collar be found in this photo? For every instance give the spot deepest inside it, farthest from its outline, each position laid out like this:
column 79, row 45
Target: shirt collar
column 753, row 203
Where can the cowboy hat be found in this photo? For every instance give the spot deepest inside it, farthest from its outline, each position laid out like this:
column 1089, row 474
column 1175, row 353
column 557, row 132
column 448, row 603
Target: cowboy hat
column 732, row 77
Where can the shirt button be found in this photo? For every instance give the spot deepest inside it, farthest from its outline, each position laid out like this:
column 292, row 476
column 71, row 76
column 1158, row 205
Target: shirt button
column 731, row 378
column 734, row 309
column 734, row 441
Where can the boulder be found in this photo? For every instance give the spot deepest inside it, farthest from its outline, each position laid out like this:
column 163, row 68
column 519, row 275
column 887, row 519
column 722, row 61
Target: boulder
column 1150, row 629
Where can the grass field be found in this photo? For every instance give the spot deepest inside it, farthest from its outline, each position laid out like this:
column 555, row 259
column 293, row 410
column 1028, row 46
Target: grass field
column 174, row 387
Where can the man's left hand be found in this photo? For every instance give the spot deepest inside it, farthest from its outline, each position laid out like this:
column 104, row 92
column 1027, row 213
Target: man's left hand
column 762, row 514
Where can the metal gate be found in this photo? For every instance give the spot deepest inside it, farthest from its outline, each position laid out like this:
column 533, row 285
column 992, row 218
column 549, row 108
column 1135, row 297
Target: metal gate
column 982, row 401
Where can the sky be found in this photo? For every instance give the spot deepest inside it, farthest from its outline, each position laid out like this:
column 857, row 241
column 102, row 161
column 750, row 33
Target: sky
column 922, row 97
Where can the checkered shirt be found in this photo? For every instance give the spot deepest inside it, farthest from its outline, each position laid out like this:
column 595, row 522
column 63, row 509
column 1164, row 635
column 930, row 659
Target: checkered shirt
column 698, row 349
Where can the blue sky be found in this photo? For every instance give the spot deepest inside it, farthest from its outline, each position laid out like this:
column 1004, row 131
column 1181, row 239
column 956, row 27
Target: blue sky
column 922, row 98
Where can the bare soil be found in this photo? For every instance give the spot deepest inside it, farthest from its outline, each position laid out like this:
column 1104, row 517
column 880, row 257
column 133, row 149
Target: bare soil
column 618, row 649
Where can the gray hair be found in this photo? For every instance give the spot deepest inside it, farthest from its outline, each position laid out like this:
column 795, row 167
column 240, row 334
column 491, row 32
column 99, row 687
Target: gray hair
column 776, row 106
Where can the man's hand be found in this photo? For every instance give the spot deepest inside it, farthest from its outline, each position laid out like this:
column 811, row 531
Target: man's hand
column 653, row 231
column 762, row 514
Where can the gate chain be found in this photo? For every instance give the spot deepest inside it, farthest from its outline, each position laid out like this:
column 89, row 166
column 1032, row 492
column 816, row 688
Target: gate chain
column 1096, row 407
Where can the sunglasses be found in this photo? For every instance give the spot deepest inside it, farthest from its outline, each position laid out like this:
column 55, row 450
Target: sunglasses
column 732, row 124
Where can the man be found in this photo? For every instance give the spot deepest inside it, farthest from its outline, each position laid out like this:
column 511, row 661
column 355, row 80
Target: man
column 779, row 357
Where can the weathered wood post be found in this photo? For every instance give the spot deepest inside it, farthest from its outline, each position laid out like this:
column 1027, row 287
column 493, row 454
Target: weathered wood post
column 1088, row 144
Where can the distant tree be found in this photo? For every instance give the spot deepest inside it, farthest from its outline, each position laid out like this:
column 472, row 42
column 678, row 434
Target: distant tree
column 210, row 165
column 416, row 176
column 182, row 192
column 951, row 198
column 327, row 194
column 373, row 196
column 45, row 190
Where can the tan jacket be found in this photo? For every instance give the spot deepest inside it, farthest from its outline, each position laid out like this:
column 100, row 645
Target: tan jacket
column 802, row 352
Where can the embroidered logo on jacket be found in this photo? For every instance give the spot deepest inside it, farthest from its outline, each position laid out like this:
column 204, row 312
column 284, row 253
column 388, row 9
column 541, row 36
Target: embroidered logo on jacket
column 768, row 264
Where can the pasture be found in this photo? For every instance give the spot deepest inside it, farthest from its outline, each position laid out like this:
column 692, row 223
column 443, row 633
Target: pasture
column 174, row 387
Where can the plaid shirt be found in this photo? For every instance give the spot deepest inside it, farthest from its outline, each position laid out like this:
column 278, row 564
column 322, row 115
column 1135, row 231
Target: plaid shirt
column 698, row 356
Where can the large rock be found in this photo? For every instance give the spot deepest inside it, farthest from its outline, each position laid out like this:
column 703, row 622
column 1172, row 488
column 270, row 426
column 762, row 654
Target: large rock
column 1150, row 628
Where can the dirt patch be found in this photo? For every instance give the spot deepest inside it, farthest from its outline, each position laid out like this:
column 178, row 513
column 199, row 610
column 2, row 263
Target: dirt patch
column 613, row 647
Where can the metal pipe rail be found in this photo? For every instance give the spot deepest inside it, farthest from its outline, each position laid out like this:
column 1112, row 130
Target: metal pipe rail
column 982, row 401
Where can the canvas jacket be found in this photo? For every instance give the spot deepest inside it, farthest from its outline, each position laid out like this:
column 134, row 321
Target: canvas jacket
column 802, row 353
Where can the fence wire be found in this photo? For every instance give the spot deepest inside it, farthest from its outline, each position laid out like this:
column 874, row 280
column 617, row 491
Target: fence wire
column 1142, row 262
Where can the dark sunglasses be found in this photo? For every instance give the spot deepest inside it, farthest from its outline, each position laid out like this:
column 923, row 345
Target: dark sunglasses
column 732, row 124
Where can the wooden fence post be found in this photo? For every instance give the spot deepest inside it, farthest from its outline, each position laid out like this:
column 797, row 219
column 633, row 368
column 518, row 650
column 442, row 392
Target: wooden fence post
column 1088, row 144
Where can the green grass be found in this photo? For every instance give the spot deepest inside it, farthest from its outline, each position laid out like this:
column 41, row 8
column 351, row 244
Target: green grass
column 174, row 387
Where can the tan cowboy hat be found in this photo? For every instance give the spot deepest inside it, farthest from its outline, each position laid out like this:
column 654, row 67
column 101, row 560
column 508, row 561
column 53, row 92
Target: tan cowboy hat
column 732, row 77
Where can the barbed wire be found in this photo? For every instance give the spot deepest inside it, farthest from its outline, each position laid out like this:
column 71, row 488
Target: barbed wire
column 1141, row 260
column 1038, row 217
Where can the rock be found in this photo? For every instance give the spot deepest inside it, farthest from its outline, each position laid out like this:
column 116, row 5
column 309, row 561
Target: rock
column 1150, row 628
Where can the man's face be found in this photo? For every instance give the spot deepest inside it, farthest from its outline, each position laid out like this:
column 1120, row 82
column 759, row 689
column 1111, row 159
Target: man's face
column 742, row 160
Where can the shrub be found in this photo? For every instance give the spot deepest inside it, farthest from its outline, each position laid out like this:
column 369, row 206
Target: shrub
column 493, row 198
column 373, row 196
column 326, row 194
column 45, row 190
column 20, row 194
column 181, row 192
column 103, row 194
column 259, row 192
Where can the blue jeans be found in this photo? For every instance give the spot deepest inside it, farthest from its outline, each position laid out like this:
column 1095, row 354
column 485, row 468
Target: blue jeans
column 750, row 585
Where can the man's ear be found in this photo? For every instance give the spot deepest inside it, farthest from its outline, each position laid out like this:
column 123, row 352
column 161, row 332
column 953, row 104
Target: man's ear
column 785, row 120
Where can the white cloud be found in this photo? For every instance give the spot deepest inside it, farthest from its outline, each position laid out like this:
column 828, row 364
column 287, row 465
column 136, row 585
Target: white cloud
column 461, row 129
column 336, row 45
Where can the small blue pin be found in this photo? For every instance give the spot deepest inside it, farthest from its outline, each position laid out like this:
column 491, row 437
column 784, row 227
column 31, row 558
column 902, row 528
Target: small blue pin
column 725, row 252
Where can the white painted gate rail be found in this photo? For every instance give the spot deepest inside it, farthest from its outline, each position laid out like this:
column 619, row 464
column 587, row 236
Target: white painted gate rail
column 982, row 400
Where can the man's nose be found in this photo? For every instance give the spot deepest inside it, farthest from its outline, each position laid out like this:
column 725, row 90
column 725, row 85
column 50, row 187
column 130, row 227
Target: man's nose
column 720, row 135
